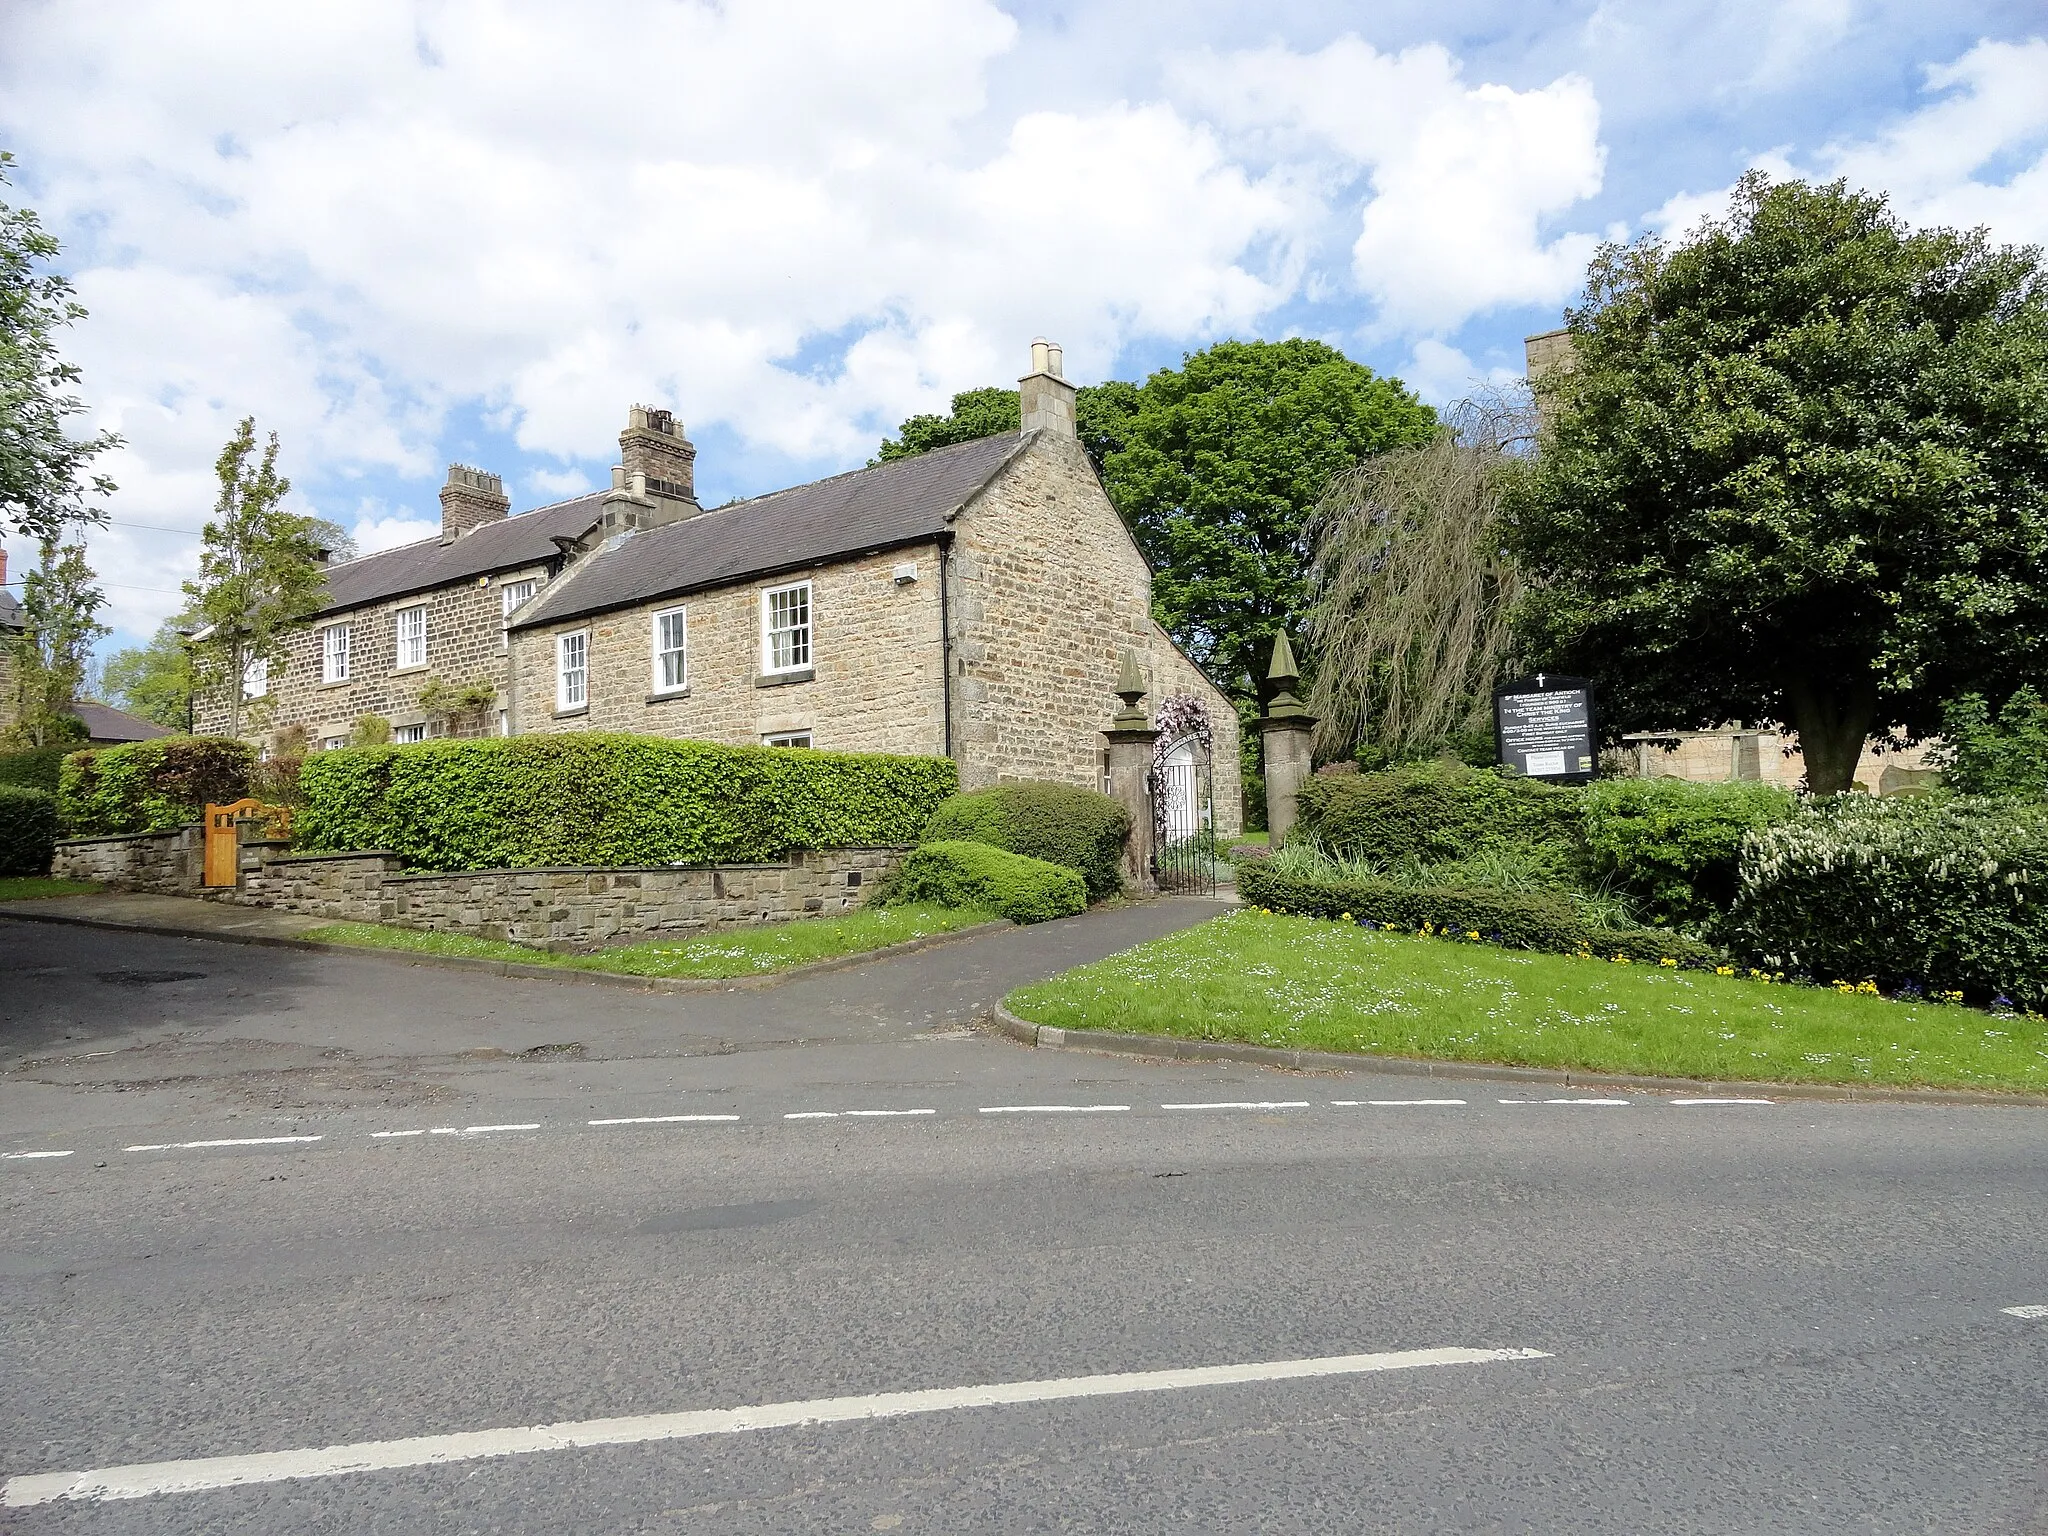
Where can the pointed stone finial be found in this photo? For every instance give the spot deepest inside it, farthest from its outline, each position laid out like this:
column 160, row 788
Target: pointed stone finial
column 1281, row 677
column 1130, row 687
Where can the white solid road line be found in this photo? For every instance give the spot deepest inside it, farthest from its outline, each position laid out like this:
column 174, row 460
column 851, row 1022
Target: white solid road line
column 2028, row 1312
column 1724, row 1101
column 1391, row 1103
column 239, row 1141
column 147, row 1478
column 1276, row 1104
column 664, row 1120
column 7, row 1155
column 1053, row 1109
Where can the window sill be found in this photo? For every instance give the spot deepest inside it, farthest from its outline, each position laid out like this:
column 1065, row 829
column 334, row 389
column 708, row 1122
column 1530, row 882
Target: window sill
column 570, row 714
column 668, row 693
column 339, row 682
column 780, row 679
column 401, row 671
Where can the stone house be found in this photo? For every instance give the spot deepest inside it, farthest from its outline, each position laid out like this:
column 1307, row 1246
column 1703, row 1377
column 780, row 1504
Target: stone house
column 972, row 602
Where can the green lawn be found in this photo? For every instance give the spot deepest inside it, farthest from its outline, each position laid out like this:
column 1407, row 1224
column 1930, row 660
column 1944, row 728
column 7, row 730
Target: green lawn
column 736, row 952
column 33, row 887
column 1299, row 982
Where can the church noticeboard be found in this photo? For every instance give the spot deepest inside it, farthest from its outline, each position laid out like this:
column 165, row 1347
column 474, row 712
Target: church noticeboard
column 1543, row 727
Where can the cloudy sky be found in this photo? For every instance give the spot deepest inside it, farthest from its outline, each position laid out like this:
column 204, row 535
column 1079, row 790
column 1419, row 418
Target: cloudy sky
column 403, row 234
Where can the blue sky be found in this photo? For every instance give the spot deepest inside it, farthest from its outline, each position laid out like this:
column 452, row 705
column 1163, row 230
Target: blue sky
column 478, row 230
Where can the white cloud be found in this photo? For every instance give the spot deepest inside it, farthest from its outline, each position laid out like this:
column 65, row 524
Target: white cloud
column 1684, row 212
column 1462, row 181
column 1443, row 375
column 376, row 529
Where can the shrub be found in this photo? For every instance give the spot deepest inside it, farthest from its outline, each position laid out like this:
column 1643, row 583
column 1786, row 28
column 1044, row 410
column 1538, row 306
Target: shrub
column 150, row 786
column 1079, row 828
column 1545, row 920
column 1946, row 893
column 2005, row 754
column 1439, row 810
column 603, row 799
column 1672, row 846
column 36, row 768
column 959, row 873
column 28, row 829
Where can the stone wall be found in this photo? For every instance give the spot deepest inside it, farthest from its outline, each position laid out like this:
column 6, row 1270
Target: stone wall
column 1049, row 589
column 465, row 644
column 568, row 909
column 163, row 863
column 875, row 683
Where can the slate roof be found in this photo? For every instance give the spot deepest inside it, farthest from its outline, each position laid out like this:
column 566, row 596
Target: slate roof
column 103, row 722
column 10, row 610
column 905, row 501
column 524, row 539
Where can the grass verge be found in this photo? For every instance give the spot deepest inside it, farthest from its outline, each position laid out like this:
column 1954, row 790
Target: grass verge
column 1306, row 984
column 32, row 887
column 720, row 956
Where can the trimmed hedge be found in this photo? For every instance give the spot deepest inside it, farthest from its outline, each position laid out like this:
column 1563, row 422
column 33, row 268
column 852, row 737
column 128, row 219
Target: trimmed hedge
column 150, row 786
column 1674, row 846
column 960, row 873
column 1437, row 811
column 1944, row 893
column 37, row 768
column 609, row 799
column 1058, row 823
column 28, row 829
column 1543, row 920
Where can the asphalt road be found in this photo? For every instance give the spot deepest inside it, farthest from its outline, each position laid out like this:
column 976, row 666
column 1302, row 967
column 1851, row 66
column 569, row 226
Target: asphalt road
column 1675, row 1316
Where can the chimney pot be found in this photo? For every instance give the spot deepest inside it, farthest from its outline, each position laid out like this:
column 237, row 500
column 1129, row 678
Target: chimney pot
column 654, row 448
column 1053, row 360
column 470, row 498
column 1044, row 397
column 1041, row 355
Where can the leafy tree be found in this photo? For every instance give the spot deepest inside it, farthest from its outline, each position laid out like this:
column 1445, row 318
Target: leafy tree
column 40, row 463
column 259, row 573
column 1218, row 465
column 976, row 413
column 155, row 680
column 1411, row 592
column 2001, row 754
column 52, row 652
column 1798, row 470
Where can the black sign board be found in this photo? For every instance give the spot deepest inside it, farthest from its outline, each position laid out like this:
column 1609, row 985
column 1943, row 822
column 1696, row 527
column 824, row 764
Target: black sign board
column 1543, row 727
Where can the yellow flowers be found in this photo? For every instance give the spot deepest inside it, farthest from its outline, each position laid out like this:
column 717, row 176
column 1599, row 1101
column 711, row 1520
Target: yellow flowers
column 1668, row 963
column 1472, row 933
column 1724, row 970
column 1344, row 917
column 1623, row 960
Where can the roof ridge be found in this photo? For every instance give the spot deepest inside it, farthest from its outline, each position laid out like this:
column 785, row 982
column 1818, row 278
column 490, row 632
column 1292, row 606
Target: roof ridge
column 500, row 522
column 844, row 474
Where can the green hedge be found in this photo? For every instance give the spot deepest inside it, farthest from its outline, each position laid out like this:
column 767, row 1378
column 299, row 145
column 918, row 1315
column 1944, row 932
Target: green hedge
column 150, row 786
column 37, row 768
column 1079, row 828
column 1543, row 920
column 1944, row 893
column 28, row 829
column 1438, row 811
column 960, row 873
column 604, row 799
column 1673, row 846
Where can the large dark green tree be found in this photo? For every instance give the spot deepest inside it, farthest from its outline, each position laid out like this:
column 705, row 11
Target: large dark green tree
column 1798, row 470
column 44, row 483
column 1217, row 466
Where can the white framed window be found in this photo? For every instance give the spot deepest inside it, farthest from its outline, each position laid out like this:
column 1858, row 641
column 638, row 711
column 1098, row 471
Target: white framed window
column 412, row 637
column 402, row 735
column 787, row 739
column 334, row 648
column 516, row 593
column 256, row 678
column 671, row 641
column 504, row 722
column 786, row 628
column 334, row 743
column 572, row 670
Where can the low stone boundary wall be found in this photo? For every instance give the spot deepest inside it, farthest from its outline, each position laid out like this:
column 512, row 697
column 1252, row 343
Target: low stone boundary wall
column 568, row 908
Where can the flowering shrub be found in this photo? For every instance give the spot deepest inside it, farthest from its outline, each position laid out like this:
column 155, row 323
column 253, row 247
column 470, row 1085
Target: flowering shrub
column 1937, row 894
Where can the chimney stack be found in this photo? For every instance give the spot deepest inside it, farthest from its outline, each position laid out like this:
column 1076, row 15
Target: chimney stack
column 1044, row 397
column 653, row 445
column 470, row 498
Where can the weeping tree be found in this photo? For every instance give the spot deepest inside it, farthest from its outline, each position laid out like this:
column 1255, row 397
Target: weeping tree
column 1410, row 591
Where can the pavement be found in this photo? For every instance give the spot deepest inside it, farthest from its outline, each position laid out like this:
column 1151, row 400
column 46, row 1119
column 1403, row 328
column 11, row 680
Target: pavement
column 519, row 1249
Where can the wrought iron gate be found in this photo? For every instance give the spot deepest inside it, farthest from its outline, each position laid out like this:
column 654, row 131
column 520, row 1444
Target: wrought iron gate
column 1183, row 818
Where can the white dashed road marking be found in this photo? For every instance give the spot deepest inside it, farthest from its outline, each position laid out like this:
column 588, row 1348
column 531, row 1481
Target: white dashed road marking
column 1564, row 1101
column 1723, row 1101
column 664, row 1120
column 1053, row 1109
column 1393, row 1103
column 10, row 1155
column 160, row 1477
column 238, row 1141
column 2027, row 1312
column 1275, row 1104
column 885, row 1114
